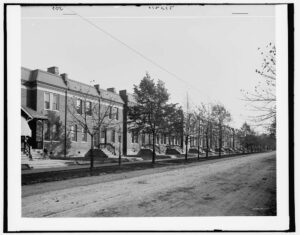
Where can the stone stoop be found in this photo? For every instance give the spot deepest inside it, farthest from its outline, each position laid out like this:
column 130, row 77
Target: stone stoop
column 108, row 153
column 24, row 157
column 98, row 153
column 173, row 151
column 37, row 154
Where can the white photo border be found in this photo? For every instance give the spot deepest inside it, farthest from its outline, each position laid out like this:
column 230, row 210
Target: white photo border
column 258, row 223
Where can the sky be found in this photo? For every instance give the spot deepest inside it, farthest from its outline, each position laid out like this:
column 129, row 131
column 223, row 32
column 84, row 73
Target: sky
column 208, row 53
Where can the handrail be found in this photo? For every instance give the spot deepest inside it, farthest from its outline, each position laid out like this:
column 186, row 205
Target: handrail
column 150, row 146
column 175, row 146
column 108, row 146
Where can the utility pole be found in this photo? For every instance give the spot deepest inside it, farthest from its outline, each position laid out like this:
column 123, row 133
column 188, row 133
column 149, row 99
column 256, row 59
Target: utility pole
column 187, row 127
column 199, row 139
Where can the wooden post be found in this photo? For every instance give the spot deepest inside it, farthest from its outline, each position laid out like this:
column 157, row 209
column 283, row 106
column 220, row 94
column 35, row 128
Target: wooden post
column 199, row 140
column 186, row 146
column 92, row 153
column 66, row 105
column 153, row 154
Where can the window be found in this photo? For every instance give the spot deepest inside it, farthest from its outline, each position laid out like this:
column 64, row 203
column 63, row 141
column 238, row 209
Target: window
column 96, row 137
column 84, row 134
column 103, row 133
column 88, row 108
column 47, row 130
column 55, row 132
column 117, row 113
column 51, row 101
column 110, row 112
column 47, row 100
column 157, row 138
column 165, row 139
column 192, row 141
column 79, row 106
column 55, row 104
column 113, row 136
column 74, row 133
column 134, row 137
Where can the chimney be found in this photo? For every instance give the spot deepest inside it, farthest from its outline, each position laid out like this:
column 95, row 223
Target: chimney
column 97, row 86
column 65, row 78
column 123, row 94
column 53, row 70
column 112, row 89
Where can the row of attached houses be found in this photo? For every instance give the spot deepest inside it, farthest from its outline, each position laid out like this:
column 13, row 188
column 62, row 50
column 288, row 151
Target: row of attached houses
column 53, row 104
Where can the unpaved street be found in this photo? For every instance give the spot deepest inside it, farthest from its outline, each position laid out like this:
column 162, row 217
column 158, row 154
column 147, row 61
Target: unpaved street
column 244, row 185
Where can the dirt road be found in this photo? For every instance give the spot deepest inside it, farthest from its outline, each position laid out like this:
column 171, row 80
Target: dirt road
column 236, row 186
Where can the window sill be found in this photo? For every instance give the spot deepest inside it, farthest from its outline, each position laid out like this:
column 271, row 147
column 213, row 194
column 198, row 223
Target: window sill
column 51, row 110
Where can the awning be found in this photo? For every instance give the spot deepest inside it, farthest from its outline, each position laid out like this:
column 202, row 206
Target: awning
column 25, row 129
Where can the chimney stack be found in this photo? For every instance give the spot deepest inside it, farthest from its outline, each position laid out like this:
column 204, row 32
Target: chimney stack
column 112, row 89
column 53, row 70
column 123, row 94
column 65, row 78
column 97, row 86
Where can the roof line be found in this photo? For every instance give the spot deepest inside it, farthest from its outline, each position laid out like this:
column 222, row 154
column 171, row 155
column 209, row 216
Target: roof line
column 25, row 111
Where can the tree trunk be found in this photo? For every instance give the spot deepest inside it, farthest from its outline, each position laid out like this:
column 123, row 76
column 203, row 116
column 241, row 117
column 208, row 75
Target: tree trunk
column 153, row 145
column 119, row 154
column 207, row 140
column 199, row 142
column 186, row 147
column 233, row 140
column 92, row 153
column 220, row 139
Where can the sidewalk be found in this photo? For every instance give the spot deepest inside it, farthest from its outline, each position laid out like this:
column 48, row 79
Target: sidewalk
column 87, row 166
column 99, row 165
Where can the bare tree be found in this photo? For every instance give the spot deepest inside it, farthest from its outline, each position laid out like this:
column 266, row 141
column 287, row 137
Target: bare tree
column 221, row 116
column 204, row 114
column 188, row 125
column 92, row 114
column 263, row 98
column 199, row 119
column 60, row 142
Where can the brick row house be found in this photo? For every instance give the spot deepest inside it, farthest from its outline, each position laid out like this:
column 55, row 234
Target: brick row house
column 55, row 106
column 54, row 101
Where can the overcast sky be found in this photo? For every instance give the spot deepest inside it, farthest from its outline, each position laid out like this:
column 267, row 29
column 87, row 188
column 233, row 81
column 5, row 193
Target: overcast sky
column 210, row 52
